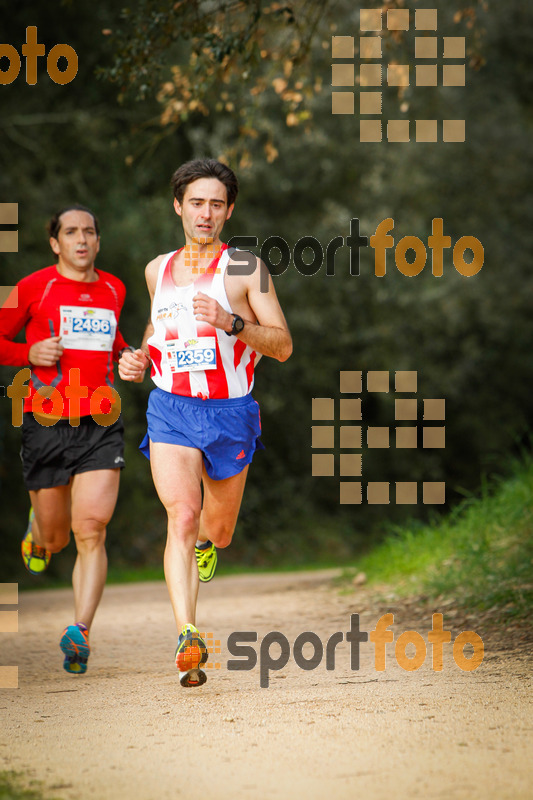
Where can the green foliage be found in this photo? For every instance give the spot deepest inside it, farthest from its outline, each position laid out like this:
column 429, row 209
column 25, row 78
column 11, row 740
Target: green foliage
column 12, row 787
column 480, row 555
column 215, row 41
column 302, row 172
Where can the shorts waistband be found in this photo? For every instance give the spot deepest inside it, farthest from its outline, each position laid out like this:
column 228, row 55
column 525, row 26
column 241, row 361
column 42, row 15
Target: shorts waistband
column 208, row 402
column 60, row 422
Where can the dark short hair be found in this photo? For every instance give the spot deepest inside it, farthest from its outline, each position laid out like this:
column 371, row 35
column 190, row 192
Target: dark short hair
column 54, row 226
column 204, row 168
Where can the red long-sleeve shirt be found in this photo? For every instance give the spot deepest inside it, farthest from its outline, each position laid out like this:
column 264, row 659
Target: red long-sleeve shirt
column 84, row 314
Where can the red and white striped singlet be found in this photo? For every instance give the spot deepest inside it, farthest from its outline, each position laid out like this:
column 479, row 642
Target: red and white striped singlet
column 181, row 345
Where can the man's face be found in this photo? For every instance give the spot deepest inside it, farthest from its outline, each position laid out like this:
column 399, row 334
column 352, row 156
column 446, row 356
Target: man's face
column 204, row 210
column 77, row 242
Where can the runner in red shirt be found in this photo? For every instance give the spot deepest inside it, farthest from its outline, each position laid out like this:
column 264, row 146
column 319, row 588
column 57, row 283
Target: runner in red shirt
column 72, row 434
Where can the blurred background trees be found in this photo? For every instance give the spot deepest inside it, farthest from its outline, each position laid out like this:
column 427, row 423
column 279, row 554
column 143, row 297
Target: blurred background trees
column 250, row 83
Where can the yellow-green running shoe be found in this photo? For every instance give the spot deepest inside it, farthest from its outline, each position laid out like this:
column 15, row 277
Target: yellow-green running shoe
column 206, row 558
column 36, row 559
column 191, row 653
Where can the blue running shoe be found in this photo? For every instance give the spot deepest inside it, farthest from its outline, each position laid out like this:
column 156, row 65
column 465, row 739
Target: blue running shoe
column 75, row 645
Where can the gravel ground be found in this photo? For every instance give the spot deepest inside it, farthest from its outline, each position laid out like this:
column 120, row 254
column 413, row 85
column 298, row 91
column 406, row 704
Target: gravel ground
column 128, row 730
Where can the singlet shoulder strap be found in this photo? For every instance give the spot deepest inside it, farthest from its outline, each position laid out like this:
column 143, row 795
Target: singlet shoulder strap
column 164, row 268
column 223, row 261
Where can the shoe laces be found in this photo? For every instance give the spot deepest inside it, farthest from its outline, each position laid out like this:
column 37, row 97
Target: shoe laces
column 37, row 551
column 207, row 554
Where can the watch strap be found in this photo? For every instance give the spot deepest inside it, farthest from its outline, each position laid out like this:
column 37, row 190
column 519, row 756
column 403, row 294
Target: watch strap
column 233, row 331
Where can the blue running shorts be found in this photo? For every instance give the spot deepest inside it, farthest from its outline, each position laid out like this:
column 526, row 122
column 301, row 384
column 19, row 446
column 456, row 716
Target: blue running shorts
column 226, row 431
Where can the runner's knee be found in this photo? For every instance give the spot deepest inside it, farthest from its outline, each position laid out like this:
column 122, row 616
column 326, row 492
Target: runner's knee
column 89, row 533
column 222, row 535
column 183, row 521
column 54, row 538
column 56, row 543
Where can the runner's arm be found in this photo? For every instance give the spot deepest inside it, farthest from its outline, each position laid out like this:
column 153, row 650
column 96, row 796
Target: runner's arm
column 119, row 344
column 144, row 344
column 13, row 317
column 270, row 335
column 133, row 365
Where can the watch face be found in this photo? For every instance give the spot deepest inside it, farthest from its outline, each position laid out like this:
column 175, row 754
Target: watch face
column 238, row 324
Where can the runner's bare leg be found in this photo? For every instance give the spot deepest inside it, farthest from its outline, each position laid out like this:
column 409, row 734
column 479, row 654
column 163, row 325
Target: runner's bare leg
column 94, row 496
column 222, row 503
column 177, row 474
column 51, row 526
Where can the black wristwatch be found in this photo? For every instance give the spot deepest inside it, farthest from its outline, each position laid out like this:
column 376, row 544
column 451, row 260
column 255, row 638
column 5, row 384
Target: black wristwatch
column 237, row 326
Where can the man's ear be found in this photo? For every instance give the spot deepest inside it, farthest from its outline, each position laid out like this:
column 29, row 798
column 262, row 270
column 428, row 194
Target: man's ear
column 54, row 244
column 230, row 210
column 177, row 207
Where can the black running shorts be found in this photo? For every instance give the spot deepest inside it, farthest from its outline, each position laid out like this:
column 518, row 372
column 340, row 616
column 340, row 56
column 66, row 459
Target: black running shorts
column 52, row 455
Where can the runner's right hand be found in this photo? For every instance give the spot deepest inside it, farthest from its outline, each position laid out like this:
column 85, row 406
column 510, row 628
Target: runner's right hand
column 46, row 352
column 132, row 365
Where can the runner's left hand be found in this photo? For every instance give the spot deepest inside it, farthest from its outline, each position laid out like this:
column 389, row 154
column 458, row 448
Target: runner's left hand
column 207, row 309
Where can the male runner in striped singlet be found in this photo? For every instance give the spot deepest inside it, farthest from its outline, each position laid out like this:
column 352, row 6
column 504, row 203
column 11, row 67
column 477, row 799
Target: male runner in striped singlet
column 72, row 441
column 209, row 327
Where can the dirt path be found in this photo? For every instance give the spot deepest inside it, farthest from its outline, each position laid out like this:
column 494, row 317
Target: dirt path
column 128, row 730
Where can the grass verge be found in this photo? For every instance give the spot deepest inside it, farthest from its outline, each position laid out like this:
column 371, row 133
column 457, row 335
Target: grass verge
column 481, row 554
column 12, row 788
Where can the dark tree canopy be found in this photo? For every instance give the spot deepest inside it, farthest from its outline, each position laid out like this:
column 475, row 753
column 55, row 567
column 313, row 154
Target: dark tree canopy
column 250, row 82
